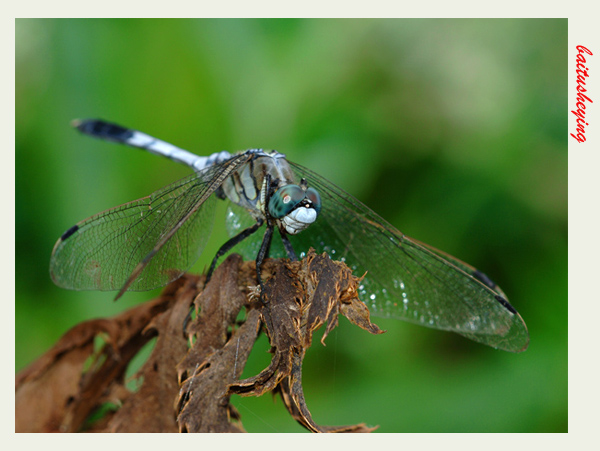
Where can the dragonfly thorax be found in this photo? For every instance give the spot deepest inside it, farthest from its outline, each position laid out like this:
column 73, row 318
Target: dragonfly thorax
column 246, row 185
column 268, row 189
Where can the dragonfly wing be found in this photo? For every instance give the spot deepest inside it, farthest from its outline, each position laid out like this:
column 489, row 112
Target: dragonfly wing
column 482, row 277
column 406, row 279
column 155, row 238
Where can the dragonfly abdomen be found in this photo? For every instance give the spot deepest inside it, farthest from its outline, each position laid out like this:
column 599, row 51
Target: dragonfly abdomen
column 134, row 138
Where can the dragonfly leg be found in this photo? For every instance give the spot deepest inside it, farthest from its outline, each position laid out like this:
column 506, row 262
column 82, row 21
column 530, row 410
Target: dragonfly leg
column 223, row 250
column 289, row 249
column 230, row 243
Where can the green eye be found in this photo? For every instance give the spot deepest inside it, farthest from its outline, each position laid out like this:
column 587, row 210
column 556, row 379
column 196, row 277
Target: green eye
column 314, row 197
column 284, row 200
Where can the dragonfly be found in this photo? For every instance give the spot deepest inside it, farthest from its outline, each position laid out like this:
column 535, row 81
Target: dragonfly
column 149, row 242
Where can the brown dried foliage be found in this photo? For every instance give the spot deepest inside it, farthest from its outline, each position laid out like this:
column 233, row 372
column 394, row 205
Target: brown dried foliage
column 190, row 376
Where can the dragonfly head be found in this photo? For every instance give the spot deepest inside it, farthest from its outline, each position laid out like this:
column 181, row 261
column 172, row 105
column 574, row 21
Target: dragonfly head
column 295, row 206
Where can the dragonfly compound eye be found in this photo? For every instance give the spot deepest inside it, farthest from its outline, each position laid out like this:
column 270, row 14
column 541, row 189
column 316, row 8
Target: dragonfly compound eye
column 285, row 200
column 314, row 197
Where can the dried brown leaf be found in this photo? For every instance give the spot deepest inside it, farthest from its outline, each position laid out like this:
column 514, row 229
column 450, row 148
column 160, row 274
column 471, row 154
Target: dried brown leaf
column 187, row 383
column 55, row 394
column 150, row 409
column 216, row 358
column 298, row 299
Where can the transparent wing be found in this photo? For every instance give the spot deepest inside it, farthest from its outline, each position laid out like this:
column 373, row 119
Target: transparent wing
column 102, row 252
column 405, row 278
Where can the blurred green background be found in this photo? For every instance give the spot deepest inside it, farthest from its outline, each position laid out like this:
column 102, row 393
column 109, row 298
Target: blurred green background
column 455, row 131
